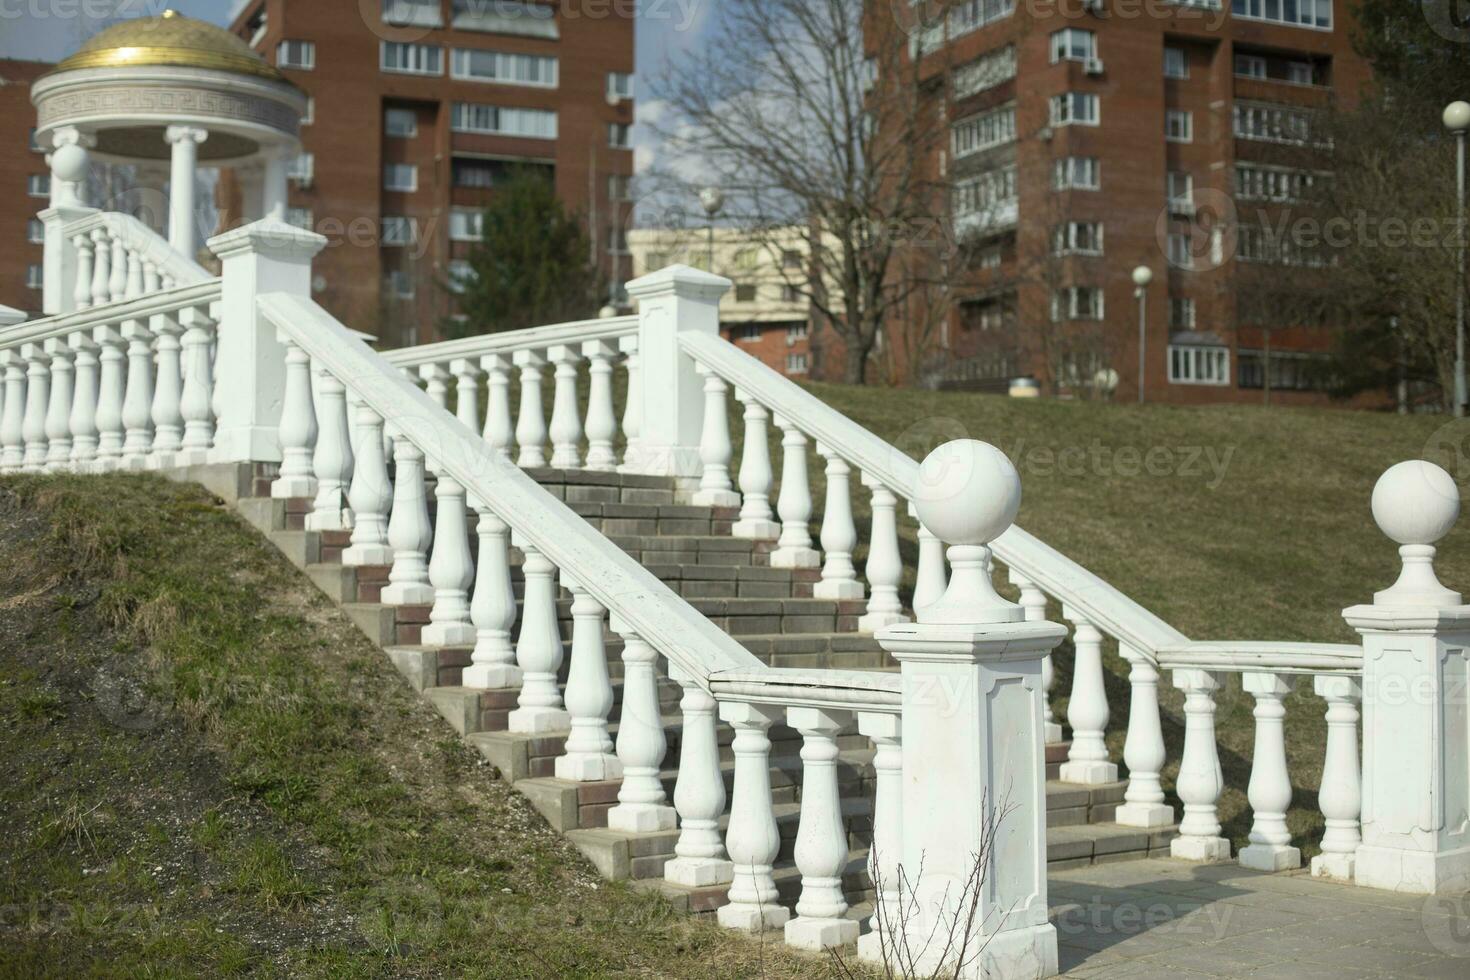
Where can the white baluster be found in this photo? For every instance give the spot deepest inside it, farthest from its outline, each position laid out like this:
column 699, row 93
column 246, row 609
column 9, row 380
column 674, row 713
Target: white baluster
column 82, row 289
column 451, row 570
column 1033, row 601
column 370, row 494
column 755, row 476
column 1270, row 784
column 144, row 278
column 1087, row 710
column 885, row 566
column 12, row 421
column 137, row 414
column 101, row 267
column 409, row 532
column 539, row 650
column 168, row 392
column 1143, row 751
column 126, row 269
column 297, row 430
column 699, row 793
column 499, row 431
column 1341, row 795
column 531, row 422
column 633, row 407
column 821, row 838
column 794, row 547
column 930, row 579
column 58, row 409
column 589, row 750
column 602, row 424
column 38, row 398
column 753, row 839
column 839, row 534
column 194, row 404
column 566, row 425
column 642, row 806
column 1200, row 780
column 493, row 609
column 886, row 854
column 466, row 391
column 83, row 421
column 109, row 399
column 331, row 461
column 436, row 384
column 714, row 446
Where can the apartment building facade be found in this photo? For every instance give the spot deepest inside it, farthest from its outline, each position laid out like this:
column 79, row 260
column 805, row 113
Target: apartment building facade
column 1093, row 137
column 419, row 108
column 26, row 182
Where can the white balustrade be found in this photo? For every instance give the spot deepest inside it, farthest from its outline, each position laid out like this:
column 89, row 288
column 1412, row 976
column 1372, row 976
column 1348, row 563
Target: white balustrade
column 83, row 417
column 755, row 520
column 589, row 752
column 297, row 429
column 499, row 431
column 714, row 447
column 493, row 608
column 633, row 407
column 885, row 566
column 1143, row 750
column 886, row 853
column 12, row 421
column 1340, row 796
column 1270, row 784
column 930, row 580
column 38, row 397
column 466, row 391
column 566, row 422
column 699, row 793
column 602, row 424
column 101, row 268
column 642, row 806
column 58, row 409
column 531, row 419
column 370, row 495
column 168, row 393
column 124, row 271
column 1087, row 710
column 1033, row 601
column 409, row 532
column 137, row 413
column 821, row 837
column 539, row 651
column 436, row 383
column 794, row 504
column 1200, row 781
column 82, row 290
column 451, row 569
column 752, row 839
column 195, row 403
column 839, row 533
column 331, row 459
column 112, row 372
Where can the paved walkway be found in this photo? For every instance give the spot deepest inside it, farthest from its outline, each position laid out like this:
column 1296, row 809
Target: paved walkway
column 1169, row 919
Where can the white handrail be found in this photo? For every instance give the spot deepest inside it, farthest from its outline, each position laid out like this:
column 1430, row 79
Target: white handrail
column 163, row 301
column 572, row 332
column 1280, row 658
column 149, row 245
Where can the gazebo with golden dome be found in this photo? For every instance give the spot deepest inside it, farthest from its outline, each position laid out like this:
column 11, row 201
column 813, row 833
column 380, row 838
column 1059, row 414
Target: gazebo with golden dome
column 175, row 89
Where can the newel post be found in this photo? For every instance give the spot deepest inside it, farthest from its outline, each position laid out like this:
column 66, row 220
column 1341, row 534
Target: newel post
column 70, row 164
column 268, row 256
column 972, row 743
column 671, row 302
column 1416, row 727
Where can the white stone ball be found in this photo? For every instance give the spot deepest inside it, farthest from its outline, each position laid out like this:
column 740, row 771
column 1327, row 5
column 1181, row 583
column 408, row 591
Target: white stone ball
column 1457, row 116
column 1415, row 502
column 69, row 163
column 968, row 492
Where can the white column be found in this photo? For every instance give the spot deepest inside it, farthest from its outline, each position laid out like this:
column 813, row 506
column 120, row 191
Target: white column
column 1340, row 795
column 642, row 806
column 1087, row 711
column 297, row 428
column 83, row 421
column 753, row 839
column 451, row 570
column 633, row 406
column 168, row 392
column 539, row 651
column 109, row 398
column 1033, row 601
column 12, row 422
column 499, row 431
column 370, row 495
column 184, row 158
column 755, row 476
column 1143, row 751
column 886, row 854
column 58, row 409
column 699, row 793
column 929, row 578
column 1270, row 784
column 466, row 391
column 566, row 423
column 275, row 185
column 409, row 532
column 1200, row 781
column 839, row 533
column 251, row 179
column 714, row 446
column 493, row 608
column 38, row 397
column 794, row 547
column 331, row 459
column 821, row 838
column 885, row 566
column 196, row 403
column 602, row 424
column 589, row 749
column 531, row 420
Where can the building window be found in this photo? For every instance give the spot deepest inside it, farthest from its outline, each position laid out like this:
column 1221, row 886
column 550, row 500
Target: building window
column 1078, row 238
column 400, row 284
column 475, row 173
column 971, row 15
column 1178, row 126
column 1250, row 66
column 309, row 116
column 504, row 68
column 400, row 177
column 1077, row 173
column 984, row 131
column 745, row 292
column 296, row 54
column 1077, row 303
column 1176, row 63
column 1268, row 123
column 790, row 258
column 791, row 294
column 796, row 332
column 1300, row 73
column 617, row 240
column 986, row 71
column 985, row 192
column 1255, row 182
column 1073, row 44
column 412, row 13
column 412, row 59
column 38, row 185
column 400, row 123
column 989, row 257
column 506, row 17
column 1290, row 371
column 461, row 274
column 747, row 331
column 1181, row 255
column 1199, row 365
column 300, row 217
column 619, row 136
column 1181, row 313
column 619, row 187
column 302, row 168
column 1300, row 13
column 619, row 86
column 399, row 231
column 796, row 364
column 466, row 225
column 1074, row 109
column 469, row 117
column 35, row 277
column 1180, row 188
column 35, row 232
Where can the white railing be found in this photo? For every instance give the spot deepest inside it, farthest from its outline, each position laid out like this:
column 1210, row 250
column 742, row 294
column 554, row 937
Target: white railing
column 115, row 256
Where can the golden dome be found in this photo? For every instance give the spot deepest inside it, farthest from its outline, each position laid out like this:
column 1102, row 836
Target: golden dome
column 171, row 40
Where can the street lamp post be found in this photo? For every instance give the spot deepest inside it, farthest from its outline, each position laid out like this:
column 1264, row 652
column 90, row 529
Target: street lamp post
column 713, row 200
column 1457, row 121
column 1142, row 276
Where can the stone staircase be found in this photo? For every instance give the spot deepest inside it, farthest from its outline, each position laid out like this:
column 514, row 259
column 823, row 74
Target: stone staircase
column 770, row 611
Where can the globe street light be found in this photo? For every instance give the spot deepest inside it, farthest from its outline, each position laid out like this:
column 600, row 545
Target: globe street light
column 712, row 199
column 1457, row 121
column 1142, row 276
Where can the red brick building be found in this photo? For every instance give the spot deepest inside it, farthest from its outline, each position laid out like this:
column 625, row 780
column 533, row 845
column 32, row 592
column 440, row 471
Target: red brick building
column 419, row 107
column 24, row 187
column 1086, row 141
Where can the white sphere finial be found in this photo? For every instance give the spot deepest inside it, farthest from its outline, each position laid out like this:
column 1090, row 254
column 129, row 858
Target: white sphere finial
column 1416, row 503
column 69, row 162
column 1457, row 116
column 1142, row 276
